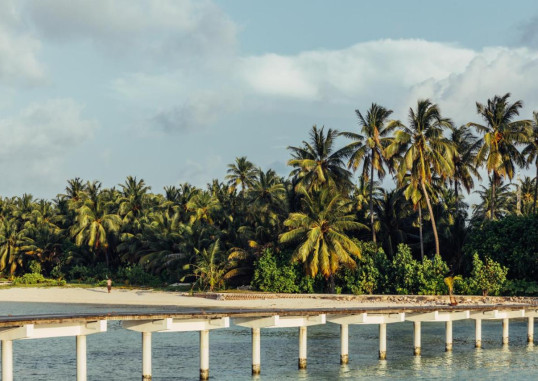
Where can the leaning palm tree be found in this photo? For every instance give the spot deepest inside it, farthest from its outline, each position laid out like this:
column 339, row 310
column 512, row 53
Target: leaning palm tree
column 531, row 153
column 318, row 164
column 320, row 231
column 425, row 152
column 501, row 135
column 242, row 173
column 369, row 148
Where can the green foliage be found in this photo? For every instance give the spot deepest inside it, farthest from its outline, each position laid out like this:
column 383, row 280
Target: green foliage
column 520, row 288
column 512, row 241
column 488, row 276
column 136, row 275
column 35, row 267
column 36, row 279
column 273, row 275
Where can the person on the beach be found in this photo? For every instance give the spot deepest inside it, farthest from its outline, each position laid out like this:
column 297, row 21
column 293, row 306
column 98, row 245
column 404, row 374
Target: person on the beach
column 109, row 285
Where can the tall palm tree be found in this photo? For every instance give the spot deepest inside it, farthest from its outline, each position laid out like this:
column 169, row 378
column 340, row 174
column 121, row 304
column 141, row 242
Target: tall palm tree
column 242, row 173
column 503, row 199
column 321, row 233
column 425, row 152
column 317, row 164
column 465, row 167
column 12, row 238
column 531, row 153
column 501, row 135
column 369, row 148
column 133, row 198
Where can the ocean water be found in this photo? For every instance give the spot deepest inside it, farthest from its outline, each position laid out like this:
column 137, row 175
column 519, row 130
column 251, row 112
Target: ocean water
column 116, row 354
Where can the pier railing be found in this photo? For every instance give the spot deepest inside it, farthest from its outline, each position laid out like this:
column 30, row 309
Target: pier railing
column 203, row 320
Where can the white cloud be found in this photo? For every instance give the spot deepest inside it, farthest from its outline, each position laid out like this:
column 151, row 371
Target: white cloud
column 161, row 31
column 34, row 143
column 18, row 50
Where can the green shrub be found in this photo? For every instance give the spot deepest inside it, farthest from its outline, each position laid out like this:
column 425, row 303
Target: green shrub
column 520, row 288
column 487, row 277
column 33, row 279
column 136, row 275
column 272, row 275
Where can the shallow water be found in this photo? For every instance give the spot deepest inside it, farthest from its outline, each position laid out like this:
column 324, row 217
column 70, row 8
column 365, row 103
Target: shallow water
column 116, row 354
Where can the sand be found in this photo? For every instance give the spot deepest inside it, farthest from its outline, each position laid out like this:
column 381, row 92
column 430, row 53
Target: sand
column 134, row 297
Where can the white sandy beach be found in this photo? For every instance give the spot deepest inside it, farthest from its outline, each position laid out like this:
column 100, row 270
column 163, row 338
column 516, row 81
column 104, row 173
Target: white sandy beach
column 133, row 297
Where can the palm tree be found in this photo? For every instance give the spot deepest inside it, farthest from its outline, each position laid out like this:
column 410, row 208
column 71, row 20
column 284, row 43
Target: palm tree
column 369, row 148
column 12, row 239
column 426, row 152
column 531, row 152
column 242, row 173
column 133, row 198
column 503, row 199
column 94, row 225
column 317, row 163
column 209, row 268
column 321, row 233
column 501, row 135
column 465, row 168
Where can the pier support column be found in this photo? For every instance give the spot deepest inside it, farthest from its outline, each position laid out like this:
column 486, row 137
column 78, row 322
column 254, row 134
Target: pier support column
column 530, row 330
column 302, row 347
column 7, row 360
column 146, row 356
column 344, row 347
column 81, row 358
column 505, row 331
column 382, row 341
column 204, row 355
column 448, row 336
column 478, row 333
column 416, row 326
column 256, row 358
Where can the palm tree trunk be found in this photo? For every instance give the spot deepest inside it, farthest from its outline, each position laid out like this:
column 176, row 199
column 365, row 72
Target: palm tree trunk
column 432, row 218
column 420, row 231
column 535, row 189
column 492, row 214
column 372, row 202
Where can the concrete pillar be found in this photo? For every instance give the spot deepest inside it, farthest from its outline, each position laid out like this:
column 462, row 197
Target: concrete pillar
column 256, row 358
column 416, row 326
column 530, row 330
column 382, row 341
column 204, row 354
column 146, row 356
column 7, row 360
column 505, row 331
column 478, row 333
column 344, row 347
column 81, row 358
column 448, row 339
column 302, row 347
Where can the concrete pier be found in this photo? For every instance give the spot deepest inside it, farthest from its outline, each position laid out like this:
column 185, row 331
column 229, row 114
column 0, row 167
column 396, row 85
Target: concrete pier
column 204, row 354
column 448, row 336
column 81, row 358
column 7, row 360
column 344, row 341
column 256, row 357
column 146, row 356
column 302, row 348
column 382, row 341
column 506, row 325
column 416, row 331
column 478, row 333
column 530, row 329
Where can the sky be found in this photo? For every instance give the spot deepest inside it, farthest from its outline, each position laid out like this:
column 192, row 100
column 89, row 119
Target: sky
column 172, row 91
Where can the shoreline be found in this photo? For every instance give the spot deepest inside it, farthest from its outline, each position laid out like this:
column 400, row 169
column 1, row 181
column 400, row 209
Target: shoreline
column 250, row 300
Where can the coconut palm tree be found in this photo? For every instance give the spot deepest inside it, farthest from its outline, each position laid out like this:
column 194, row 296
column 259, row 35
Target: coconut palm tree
column 369, row 148
column 317, row 164
column 531, row 153
column 320, row 231
column 501, row 135
column 133, row 198
column 465, row 167
column 12, row 238
column 242, row 173
column 425, row 152
column 504, row 201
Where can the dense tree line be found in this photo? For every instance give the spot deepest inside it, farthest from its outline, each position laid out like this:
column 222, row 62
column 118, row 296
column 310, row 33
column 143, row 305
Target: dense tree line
column 319, row 216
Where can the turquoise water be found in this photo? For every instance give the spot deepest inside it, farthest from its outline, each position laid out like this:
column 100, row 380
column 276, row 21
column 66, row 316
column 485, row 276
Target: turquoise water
column 116, row 355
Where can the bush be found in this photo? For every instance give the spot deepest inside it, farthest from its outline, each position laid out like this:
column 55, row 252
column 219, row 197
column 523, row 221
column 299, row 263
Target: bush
column 33, row 278
column 487, row 277
column 520, row 288
column 136, row 275
column 272, row 275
